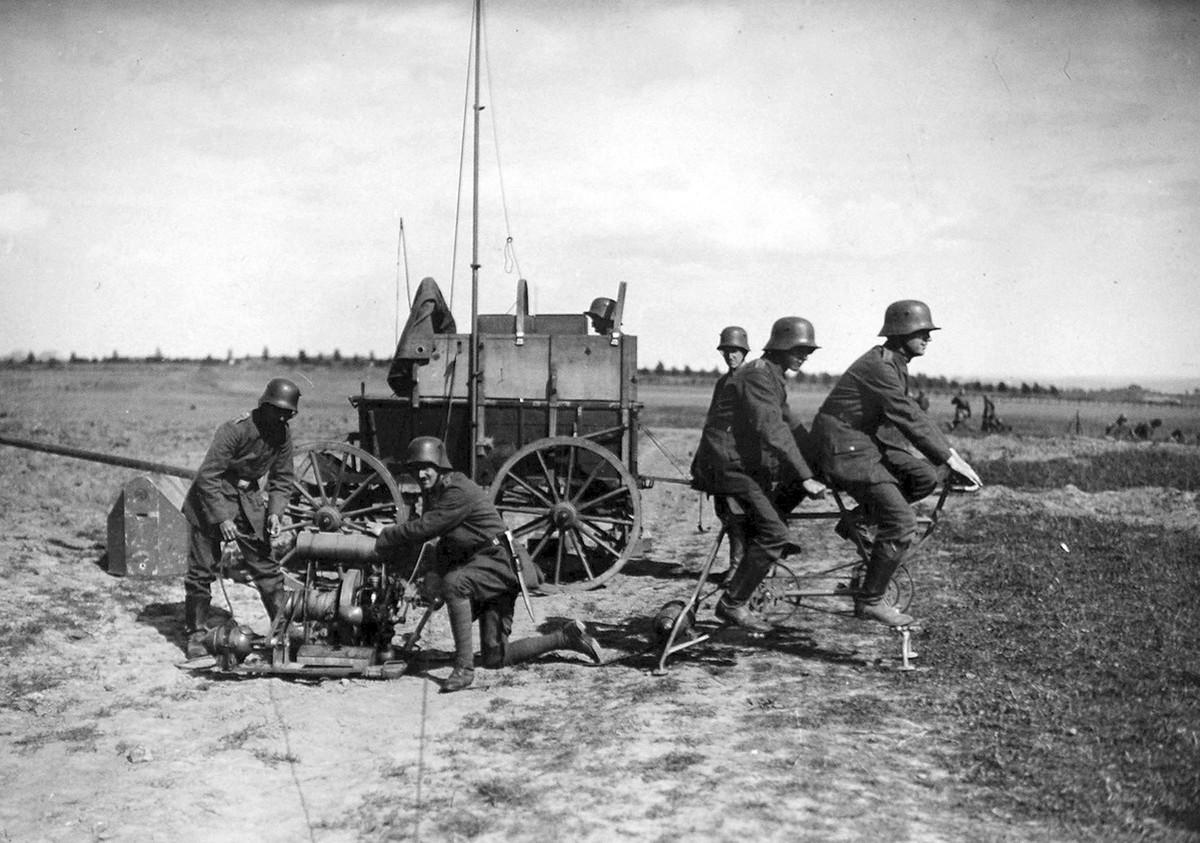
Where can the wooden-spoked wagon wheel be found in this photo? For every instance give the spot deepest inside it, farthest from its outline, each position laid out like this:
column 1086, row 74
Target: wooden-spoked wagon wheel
column 574, row 506
column 342, row 489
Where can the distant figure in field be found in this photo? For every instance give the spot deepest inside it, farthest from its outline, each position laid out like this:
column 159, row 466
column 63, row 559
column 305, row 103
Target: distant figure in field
column 922, row 400
column 1146, row 432
column 990, row 423
column 734, row 345
column 1119, row 429
column 601, row 314
column 1177, row 436
column 962, row 409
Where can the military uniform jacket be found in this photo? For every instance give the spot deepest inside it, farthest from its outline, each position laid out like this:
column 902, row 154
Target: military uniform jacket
column 228, row 480
column 458, row 511
column 869, row 399
column 748, row 431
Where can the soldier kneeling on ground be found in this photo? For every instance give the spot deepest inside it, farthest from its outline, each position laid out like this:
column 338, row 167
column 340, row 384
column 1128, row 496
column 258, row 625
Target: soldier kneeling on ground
column 474, row 573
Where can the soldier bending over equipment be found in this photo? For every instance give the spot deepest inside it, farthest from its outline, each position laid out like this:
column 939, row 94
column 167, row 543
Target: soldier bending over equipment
column 474, row 573
column 883, row 477
column 748, row 451
column 224, row 504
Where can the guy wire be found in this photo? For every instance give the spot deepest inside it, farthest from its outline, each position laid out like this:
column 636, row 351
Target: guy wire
column 421, row 759
column 287, row 745
column 401, row 259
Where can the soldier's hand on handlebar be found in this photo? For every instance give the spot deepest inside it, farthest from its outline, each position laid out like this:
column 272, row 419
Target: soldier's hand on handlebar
column 960, row 466
column 814, row 488
column 228, row 530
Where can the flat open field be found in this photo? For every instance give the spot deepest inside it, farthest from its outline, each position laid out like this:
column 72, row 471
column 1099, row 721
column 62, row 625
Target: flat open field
column 1056, row 696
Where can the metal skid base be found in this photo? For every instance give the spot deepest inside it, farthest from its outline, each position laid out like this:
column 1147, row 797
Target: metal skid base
column 310, row 661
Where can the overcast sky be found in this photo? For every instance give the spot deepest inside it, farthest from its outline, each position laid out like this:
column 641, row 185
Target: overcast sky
column 197, row 177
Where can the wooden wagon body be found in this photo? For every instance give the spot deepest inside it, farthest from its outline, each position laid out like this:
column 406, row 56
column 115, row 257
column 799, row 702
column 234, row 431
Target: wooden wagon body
column 548, row 423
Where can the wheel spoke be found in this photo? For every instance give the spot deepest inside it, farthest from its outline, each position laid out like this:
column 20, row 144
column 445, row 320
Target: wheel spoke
column 609, row 519
column 588, row 482
column 581, row 551
column 362, row 487
column 607, row 496
column 598, row 537
column 550, row 476
column 315, row 461
column 536, row 493
column 558, row 557
column 370, row 510
column 299, row 487
column 542, row 520
column 337, row 483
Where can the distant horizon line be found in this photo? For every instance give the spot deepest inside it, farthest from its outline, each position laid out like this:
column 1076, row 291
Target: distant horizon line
column 1171, row 384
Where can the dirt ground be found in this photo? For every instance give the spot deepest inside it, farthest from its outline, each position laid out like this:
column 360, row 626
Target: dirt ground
column 801, row 735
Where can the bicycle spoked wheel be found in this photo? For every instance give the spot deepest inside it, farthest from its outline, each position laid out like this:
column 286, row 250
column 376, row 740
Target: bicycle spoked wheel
column 776, row 598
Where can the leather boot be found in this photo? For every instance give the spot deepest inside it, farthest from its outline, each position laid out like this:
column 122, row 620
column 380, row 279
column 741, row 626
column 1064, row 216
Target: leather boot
column 195, row 623
column 493, row 636
column 272, row 596
column 736, row 532
column 731, row 608
column 459, row 611
column 571, row 636
column 578, row 641
column 869, row 604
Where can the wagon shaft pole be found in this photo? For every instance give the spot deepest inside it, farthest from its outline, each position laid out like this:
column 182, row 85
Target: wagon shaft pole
column 95, row 456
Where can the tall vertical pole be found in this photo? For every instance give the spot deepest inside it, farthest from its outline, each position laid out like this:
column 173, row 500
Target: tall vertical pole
column 473, row 355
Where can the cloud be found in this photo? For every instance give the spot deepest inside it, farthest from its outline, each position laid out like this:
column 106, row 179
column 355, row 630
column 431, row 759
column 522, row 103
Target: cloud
column 19, row 214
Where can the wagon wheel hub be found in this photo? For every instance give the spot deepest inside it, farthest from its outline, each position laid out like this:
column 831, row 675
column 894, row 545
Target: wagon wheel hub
column 563, row 515
column 328, row 519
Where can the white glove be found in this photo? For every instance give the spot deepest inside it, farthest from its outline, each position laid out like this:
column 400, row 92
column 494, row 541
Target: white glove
column 959, row 466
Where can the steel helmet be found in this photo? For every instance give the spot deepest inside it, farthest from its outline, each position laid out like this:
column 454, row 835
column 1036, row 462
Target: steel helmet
column 789, row 332
column 602, row 308
column 906, row 317
column 281, row 393
column 733, row 337
column 427, row 450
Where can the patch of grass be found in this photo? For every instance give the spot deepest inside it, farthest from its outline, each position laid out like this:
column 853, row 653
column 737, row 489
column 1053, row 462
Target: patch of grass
column 676, row 762
column 17, row 685
column 497, row 792
column 1074, row 679
column 273, row 758
column 462, row 823
column 235, row 740
column 78, row 739
column 19, row 636
column 1107, row 471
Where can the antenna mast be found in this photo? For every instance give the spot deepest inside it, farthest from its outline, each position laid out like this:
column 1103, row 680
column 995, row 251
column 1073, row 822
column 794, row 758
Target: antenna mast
column 473, row 354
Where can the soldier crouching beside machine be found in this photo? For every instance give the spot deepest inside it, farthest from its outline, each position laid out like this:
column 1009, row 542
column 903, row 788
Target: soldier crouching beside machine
column 475, row 572
column 224, row 504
